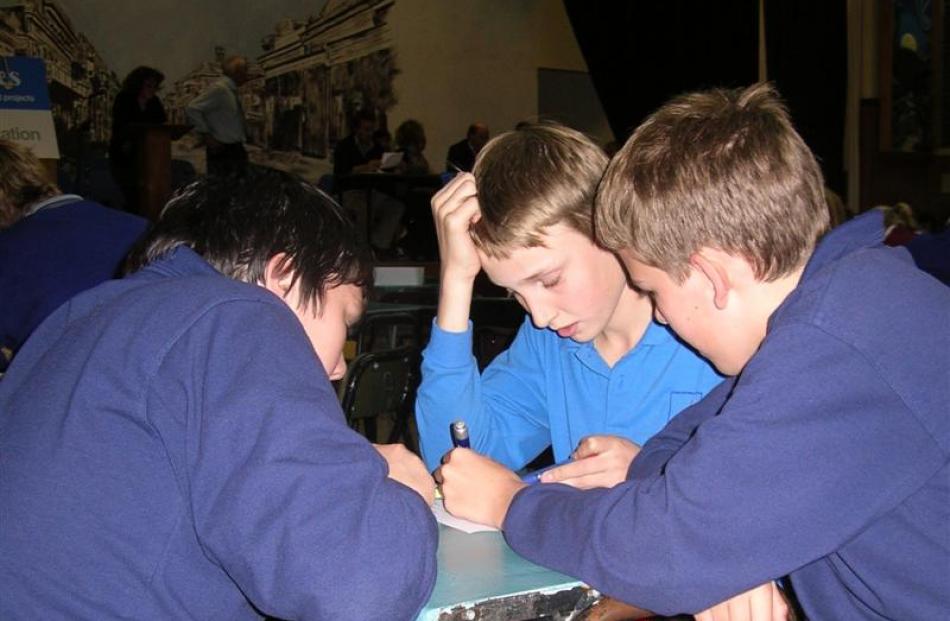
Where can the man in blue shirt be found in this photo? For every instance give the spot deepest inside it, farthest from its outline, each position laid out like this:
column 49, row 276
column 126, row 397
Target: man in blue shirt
column 825, row 459
column 173, row 448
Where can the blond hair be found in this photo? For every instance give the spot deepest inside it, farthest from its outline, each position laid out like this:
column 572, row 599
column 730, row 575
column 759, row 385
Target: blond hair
column 722, row 169
column 23, row 182
column 532, row 178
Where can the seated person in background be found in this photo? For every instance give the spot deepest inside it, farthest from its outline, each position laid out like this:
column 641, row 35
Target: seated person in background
column 137, row 103
column 411, row 142
column 826, row 458
column 589, row 372
column 461, row 156
column 382, row 140
column 172, row 445
column 52, row 245
column 358, row 152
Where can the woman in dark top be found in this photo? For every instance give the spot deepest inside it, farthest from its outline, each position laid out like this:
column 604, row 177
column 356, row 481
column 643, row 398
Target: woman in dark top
column 135, row 104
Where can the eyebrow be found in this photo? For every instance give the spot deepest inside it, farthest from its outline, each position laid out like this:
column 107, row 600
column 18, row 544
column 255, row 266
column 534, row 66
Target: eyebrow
column 542, row 272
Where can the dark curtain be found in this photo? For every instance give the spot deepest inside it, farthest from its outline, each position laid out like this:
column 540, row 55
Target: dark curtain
column 641, row 53
column 807, row 59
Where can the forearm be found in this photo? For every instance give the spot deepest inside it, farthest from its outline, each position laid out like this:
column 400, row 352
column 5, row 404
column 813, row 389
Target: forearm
column 455, row 302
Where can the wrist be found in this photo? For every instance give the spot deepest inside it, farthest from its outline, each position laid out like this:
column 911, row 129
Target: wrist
column 508, row 497
column 455, row 301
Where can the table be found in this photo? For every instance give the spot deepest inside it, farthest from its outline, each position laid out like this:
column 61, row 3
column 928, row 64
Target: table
column 481, row 577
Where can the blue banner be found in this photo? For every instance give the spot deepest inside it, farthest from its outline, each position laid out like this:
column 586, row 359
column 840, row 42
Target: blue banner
column 23, row 83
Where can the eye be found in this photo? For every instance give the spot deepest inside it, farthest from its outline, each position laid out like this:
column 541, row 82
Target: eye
column 551, row 282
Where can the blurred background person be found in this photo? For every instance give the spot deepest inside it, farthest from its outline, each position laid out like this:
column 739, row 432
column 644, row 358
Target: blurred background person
column 52, row 245
column 411, row 142
column 461, row 156
column 137, row 103
column 218, row 116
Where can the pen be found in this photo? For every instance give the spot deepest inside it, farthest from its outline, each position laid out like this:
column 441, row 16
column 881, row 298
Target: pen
column 460, row 434
column 535, row 477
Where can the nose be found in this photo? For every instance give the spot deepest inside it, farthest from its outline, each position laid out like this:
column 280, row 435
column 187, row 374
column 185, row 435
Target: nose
column 541, row 313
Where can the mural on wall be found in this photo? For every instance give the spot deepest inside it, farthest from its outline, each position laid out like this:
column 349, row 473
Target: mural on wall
column 912, row 75
column 308, row 76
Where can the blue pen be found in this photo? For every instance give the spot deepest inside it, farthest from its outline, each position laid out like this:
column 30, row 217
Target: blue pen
column 535, row 477
column 460, row 434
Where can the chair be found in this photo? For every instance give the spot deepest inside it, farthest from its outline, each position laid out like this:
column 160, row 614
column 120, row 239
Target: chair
column 382, row 384
column 380, row 331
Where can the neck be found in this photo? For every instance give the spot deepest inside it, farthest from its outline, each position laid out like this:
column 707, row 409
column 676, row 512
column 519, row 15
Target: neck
column 774, row 293
column 626, row 326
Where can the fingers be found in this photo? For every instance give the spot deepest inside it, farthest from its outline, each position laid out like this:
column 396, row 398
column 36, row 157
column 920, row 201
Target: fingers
column 457, row 191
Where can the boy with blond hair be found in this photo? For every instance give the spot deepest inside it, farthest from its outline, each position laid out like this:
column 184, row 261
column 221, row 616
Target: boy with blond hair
column 589, row 373
column 825, row 459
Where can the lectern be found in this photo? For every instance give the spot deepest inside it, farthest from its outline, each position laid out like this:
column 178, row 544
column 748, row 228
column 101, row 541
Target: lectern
column 154, row 154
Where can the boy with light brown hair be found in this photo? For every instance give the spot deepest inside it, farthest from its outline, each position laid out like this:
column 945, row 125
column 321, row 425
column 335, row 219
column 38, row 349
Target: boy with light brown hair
column 825, row 460
column 589, row 373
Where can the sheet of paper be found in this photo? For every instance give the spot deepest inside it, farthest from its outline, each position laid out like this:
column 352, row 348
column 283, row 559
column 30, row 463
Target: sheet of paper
column 390, row 159
column 444, row 517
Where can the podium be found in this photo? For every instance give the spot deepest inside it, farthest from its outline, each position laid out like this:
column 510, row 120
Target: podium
column 154, row 165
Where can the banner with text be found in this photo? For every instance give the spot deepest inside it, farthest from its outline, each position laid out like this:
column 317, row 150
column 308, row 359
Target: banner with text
column 25, row 115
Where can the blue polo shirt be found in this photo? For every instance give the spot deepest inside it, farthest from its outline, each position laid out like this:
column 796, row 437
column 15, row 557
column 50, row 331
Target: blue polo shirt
column 550, row 391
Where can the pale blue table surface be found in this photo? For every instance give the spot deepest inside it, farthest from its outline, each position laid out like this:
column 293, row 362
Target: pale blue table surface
column 479, row 566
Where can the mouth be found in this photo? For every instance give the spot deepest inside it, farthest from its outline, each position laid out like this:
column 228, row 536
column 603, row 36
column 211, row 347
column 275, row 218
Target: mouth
column 567, row 331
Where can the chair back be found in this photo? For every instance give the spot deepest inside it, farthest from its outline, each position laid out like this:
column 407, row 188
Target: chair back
column 382, row 384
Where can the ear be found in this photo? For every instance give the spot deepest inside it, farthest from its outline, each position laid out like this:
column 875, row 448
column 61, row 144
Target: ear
column 712, row 266
column 277, row 277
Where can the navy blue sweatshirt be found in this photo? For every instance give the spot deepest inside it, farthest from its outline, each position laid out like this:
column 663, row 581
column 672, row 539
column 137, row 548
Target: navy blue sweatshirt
column 171, row 448
column 827, row 460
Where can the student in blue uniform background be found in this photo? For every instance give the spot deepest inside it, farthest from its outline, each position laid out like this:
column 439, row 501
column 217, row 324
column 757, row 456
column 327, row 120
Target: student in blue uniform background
column 172, row 446
column 825, row 459
column 589, row 372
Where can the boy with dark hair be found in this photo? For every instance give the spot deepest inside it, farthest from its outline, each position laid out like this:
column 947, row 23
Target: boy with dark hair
column 826, row 458
column 172, row 445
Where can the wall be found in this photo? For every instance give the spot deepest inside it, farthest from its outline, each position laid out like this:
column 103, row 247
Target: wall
column 469, row 60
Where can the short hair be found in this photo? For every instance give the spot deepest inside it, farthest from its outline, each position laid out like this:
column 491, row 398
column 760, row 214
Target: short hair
column 410, row 133
column 237, row 223
column 137, row 77
column 532, row 178
column 232, row 64
column 23, row 181
column 719, row 168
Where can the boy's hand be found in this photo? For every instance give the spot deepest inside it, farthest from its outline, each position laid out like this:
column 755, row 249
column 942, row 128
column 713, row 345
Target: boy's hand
column 408, row 469
column 477, row 488
column 763, row 603
column 454, row 209
column 598, row 461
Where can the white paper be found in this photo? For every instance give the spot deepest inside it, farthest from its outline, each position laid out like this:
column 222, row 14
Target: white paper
column 390, row 159
column 466, row 526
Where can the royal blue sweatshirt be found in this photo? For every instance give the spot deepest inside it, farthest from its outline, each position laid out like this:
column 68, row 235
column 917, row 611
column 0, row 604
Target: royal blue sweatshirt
column 171, row 448
column 66, row 246
column 826, row 460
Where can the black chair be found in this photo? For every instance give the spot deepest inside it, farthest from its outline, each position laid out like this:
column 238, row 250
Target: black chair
column 381, row 331
column 382, row 384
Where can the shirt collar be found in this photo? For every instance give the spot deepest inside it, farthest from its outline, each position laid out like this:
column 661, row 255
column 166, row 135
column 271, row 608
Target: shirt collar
column 55, row 201
column 180, row 261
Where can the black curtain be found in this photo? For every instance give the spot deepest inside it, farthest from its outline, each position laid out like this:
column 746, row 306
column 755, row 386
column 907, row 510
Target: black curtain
column 807, row 59
column 640, row 53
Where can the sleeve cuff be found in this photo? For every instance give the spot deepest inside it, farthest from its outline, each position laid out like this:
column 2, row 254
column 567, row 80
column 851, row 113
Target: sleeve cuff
column 449, row 349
